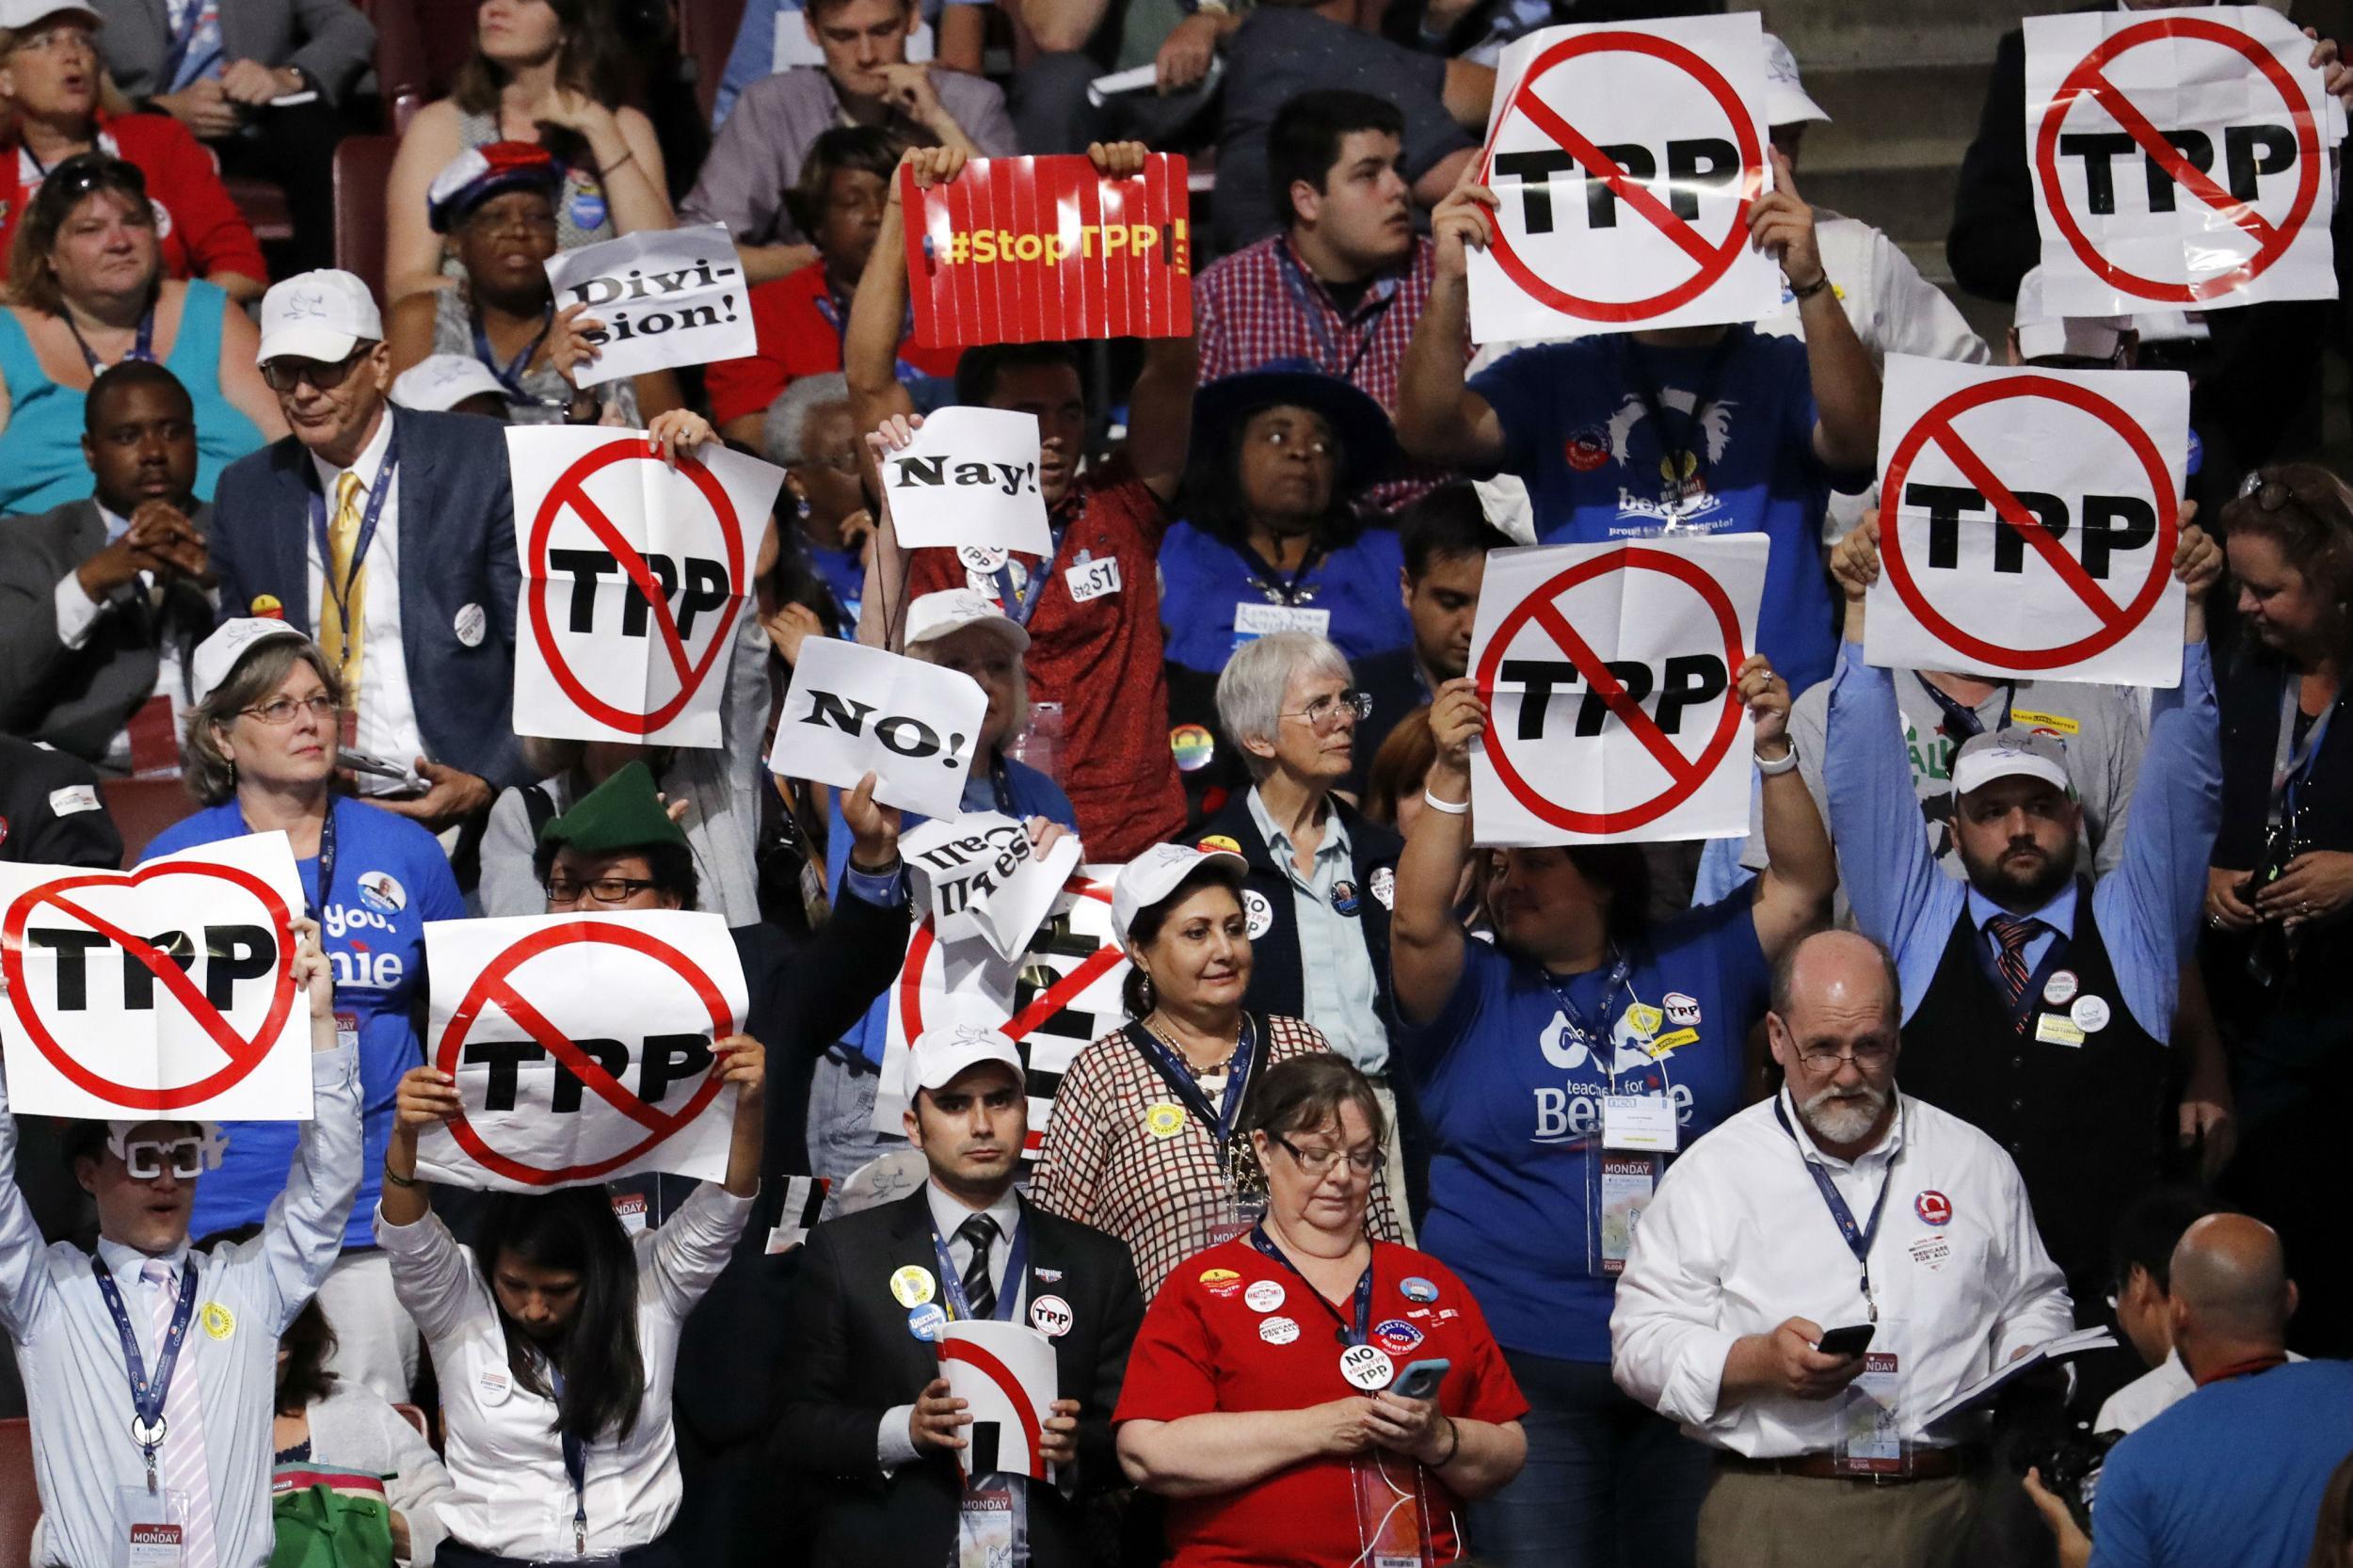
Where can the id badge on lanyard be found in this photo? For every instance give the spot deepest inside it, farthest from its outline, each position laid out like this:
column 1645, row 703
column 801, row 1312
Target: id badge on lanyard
column 1392, row 1511
column 1871, row 1440
column 1618, row 1188
column 151, row 1528
column 993, row 1523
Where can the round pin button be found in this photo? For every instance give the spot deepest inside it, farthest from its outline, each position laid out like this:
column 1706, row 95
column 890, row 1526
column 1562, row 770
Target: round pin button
column 1367, row 1366
column 912, row 1285
column 1264, row 1295
column 2090, row 1014
column 2061, row 987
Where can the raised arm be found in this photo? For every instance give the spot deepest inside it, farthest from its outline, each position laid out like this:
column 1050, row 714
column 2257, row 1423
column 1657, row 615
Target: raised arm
column 1800, row 871
column 303, row 1234
column 1426, row 939
column 24, row 1267
column 870, row 340
column 436, row 1287
column 1438, row 418
column 1846, row 382
column 1160, row 406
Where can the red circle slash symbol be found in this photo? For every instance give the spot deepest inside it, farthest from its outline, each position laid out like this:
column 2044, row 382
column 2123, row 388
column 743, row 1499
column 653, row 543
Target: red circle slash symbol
column 1685, row 774
column 2089, row 84
column 245, row 1054
column 570, row 491
column 495, row 984
column 2117, row 622
column 1713, row 258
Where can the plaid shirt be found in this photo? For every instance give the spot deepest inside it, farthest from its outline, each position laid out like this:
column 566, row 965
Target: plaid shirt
column 1102, row 1164
column 1262, row 304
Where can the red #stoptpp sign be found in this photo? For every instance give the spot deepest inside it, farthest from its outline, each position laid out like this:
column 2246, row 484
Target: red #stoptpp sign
column 495, row 986
column 2088, row 83
column 245, row 1053
column 1685, row 774
column 2116, row 621
column 569, row 493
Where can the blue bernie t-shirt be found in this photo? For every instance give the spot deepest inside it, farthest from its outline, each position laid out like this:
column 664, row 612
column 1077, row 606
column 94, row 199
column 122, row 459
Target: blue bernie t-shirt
column 391, row 877
column 1578, row 428
column 1513, row 1100
column 1356, row 587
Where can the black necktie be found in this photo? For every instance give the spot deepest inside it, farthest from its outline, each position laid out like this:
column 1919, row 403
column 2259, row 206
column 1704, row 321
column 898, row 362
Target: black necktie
column 979, row 1295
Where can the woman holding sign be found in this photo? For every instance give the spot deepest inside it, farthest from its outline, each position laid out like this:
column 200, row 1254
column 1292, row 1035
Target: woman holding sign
column 1559, row 1070
column 555, row 1341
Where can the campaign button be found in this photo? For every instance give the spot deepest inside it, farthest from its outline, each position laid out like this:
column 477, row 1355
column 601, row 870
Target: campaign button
column 1221, row 1283
column 2061, row 987
column 928, row 1323
column 1397, row 1335
column 1416, row 1288
column 1277, row 1331
column 1164, row 1120
column 1263, row 1295
column 1050, row 1316
column 1367, row 1366
column 912, row 1285
column 1934, row 1207
column 2090, row 1014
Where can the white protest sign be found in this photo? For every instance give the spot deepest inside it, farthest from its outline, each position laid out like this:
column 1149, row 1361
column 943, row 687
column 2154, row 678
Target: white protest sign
column 634, row 575
column 851, row 711
column 2027, row 519
column 165, row 991
column 977, row 875
column 1052, row 1002
column 1624, row 158
column 1608, row 671
column 661, row 297
column 970, row 477
column 582, row 1047
column 2181, row 158
column 1005, row 1374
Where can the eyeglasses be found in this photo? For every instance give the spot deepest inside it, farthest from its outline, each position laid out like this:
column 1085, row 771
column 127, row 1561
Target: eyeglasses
column 145, row 1158
column 56, row 39
column 843, row 461
column 1324, row 711
column 284, row 375
column 1868, row 1055
column 280, row 711
column 1318, row 1163
column 605, row 889
column 482, row 220
column 1281, row 435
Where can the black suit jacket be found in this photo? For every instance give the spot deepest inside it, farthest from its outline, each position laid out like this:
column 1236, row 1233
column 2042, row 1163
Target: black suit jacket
column 859, row 1360
column 78, row 699
column 457, row 556
column 34, row 782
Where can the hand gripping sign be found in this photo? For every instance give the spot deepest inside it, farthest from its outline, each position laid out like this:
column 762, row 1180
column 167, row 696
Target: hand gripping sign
column 2028, row 522
column 1608, row 671
column 1047, row 250
column 661, row 298
column 977, row 875
column 582, row 1047
column 1054, row 1000
column 634, row 575
column 1624, row 160
column 1005, row 1374
column 970, row 477
column 167, row 990
column 851, row 711
column 2179, row 158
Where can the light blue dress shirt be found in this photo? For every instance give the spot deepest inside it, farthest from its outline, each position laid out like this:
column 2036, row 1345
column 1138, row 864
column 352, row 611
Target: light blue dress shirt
column 1342, row 996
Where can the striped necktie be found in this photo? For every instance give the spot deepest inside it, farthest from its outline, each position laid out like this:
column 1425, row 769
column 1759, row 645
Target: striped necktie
column 2013, row 934
column 979, row 1295
column 182, row 1468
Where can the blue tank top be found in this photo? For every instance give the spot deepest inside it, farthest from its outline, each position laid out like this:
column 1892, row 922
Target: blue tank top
column 41, row 451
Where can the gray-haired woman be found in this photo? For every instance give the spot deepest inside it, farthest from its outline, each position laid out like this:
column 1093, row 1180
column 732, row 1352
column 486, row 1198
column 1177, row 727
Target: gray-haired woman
column 809, row 435
column 1322, row 876
column 258, row 752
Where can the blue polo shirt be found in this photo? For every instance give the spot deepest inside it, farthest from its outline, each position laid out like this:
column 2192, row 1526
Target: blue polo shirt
column 1513, row 1106
column 391, row 877
column 1203, row 581
column 1579, row 429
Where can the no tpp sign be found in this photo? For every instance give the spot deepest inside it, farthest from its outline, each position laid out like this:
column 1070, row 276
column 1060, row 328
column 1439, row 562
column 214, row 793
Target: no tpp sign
column 1612, row 709
column 1625, row 161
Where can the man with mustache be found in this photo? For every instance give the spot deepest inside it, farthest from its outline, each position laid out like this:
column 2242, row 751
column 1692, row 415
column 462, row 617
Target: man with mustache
column 2035, row 1005
column 1839, row 1203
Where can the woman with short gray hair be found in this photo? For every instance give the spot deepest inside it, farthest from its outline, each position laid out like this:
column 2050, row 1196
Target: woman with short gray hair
column 808, row 433
column 1322, row 876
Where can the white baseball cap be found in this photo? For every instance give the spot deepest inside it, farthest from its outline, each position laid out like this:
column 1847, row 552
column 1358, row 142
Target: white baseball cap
column 942, row 1053
column 1154, row 875
column 936, row 614
column 2010, row 752
column 440, row 382
column 2043, row 333
column 217, row 656
column 18, row 16
column 1785, row 99
column 321, row 315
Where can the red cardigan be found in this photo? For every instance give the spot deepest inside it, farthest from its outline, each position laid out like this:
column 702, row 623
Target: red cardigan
column 199, row 227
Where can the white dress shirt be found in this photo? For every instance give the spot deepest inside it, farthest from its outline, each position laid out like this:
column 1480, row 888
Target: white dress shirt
column 388, row 714
column 78, row 615
column 893, row 1447
column 510, row 1494
column 77, row 1389
column 1739, row 1239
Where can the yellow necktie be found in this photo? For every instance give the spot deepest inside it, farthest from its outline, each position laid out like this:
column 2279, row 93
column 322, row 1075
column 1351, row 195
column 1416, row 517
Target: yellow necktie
column 343, row 539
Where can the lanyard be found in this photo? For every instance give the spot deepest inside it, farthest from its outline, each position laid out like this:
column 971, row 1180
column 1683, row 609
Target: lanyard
column 1962, row 723
column 951, row 1282
column 1270, row 582
column 144, row 348
column 1858, row 1237
column 147, row 1398
column 182, row 38
column 1596, row 1041
column 326, row 858
column 2292, row 765
column 1022, row 603
column 575, row 1465
column 1295, row 283
column 1217, row 1120
column 339, row 594
column 510, row 375
column 1693, row 441
column 1357, row 1333
column 1000, row 785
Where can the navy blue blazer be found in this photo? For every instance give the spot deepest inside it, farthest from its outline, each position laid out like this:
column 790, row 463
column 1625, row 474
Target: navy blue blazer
column 457, row 555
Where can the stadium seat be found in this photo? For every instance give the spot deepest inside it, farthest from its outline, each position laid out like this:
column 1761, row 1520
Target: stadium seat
column 706, row 31
column 20, row 1501
column 364, row 167
column 264, row 204
column 142, row 808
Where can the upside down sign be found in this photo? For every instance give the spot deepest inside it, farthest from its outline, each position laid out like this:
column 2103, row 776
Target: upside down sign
column 1612, row 713
column 582, row 1047
column 165, row 990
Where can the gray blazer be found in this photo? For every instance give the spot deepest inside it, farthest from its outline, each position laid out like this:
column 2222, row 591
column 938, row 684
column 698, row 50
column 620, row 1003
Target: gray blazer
column 77, row 699
column 457, row 557
column 329, row 38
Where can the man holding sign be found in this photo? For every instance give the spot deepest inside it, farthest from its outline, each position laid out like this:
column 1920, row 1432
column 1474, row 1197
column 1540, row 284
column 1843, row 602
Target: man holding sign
column 148, row 1435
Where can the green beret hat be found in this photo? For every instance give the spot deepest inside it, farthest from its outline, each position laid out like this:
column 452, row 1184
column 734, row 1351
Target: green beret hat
column 623, row 812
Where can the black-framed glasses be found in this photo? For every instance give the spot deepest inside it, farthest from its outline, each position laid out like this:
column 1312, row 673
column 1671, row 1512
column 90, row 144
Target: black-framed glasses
column 1870, row 1054
column 1324, row 711
column 605, row 889
column 1318, row 1163
column 285, row 375
column 280, row 711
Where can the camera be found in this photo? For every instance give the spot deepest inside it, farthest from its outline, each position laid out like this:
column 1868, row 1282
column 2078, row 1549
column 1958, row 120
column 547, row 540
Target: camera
column 2069, row 1462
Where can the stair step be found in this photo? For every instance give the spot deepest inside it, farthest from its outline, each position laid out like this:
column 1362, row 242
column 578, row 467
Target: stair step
column 1883, row 118
column 1911, row 204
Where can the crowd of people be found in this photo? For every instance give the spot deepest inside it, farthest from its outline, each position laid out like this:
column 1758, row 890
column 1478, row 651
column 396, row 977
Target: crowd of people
column 1602, row 1206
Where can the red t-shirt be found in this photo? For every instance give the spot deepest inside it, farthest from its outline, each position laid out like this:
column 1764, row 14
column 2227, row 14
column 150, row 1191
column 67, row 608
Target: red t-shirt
column 1095, row 648
column 800, row 334
column 199, row 228
column 1234, row 1330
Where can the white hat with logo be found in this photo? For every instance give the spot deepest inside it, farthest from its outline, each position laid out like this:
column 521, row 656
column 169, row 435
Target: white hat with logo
column 1786, row 101
column 321, row 315
column 936, row 614
column 942, row 1053
column 1154, row 875
column 218, row 655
